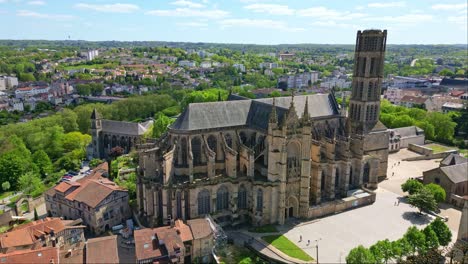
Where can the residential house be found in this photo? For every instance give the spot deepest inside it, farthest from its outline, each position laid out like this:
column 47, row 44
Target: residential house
column 48, row 255
column 409, row 82
column 186, row 63
column 177, row 243
column 447, row 107
column 413, row 101
column 102, row 250
column 95, row 199
column 286, row 56
column 48, row 232
column 205, row 64
column 268, row 65
column 203, row 239
column 240, row 67
column 8, row 82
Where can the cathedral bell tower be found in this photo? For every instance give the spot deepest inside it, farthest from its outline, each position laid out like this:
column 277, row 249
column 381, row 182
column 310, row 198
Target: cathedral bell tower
column 96, row 128
column 364, row 106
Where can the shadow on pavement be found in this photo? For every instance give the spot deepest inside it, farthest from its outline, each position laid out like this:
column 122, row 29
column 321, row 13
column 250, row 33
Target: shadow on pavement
column 416, row 218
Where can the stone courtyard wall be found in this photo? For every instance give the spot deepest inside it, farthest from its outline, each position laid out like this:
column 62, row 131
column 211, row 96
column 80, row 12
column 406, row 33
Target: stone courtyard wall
column 340, row 205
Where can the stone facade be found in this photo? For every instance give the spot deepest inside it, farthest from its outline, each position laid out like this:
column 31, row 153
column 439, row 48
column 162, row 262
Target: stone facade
column 266, row 160
column 107, row 134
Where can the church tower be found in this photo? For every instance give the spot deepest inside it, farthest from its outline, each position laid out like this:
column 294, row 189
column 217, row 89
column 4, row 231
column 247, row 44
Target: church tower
column 369, row 56
column 96, row 128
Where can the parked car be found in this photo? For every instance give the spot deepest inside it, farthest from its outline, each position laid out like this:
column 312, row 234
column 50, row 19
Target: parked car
column 67, row 177
column 74, row 173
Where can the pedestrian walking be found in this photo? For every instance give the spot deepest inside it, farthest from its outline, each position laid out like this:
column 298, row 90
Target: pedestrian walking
column 308, row 242
column 398, row 202
column 300, row 238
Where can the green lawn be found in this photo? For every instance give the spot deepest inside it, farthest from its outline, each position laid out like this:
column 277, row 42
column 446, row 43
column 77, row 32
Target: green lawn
column 235, row 254
column 264, row 229
column 5, row 194
column 438, row 148
column 464, row 152
column 287, row 247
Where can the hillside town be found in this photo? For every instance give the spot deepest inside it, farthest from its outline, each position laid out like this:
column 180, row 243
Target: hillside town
column 204, row 131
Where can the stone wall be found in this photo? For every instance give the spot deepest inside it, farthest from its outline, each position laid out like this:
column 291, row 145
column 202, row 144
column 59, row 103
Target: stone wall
column 341, row 205
column 420, row 149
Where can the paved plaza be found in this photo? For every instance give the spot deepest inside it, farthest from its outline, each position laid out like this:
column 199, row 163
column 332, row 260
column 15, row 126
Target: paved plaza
column 366, row 225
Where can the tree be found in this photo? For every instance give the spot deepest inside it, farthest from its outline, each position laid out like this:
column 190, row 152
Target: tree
column 444, row 235
column 411, row 186
column 423, row 200
column 401, row 248
column 36, row 217
column 446, row 72
column 160, row 124
column 113, row 154
column 437, row 191
column 415, row 239
column 432, row 241
column 382, row 251
column 360, row 255
column 95, row 162
column 31, row 184
column 6, row 186
column 43, row 162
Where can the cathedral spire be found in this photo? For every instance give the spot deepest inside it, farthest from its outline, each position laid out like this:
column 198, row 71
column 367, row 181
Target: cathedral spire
column 273, row 115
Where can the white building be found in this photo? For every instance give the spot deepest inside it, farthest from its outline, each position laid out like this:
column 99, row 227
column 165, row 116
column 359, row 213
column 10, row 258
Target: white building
column 205, row 65
column 90, row 54
column 8, row 82
column 30, row 91
column 240, row 67
column 186, row 63
column 301, row 80
column 268, row 65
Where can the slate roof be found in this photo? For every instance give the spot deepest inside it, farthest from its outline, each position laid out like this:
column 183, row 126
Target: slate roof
column 125, row 128
column 456, row 173
column 253, row 113
column 410, row 131
column 453, row 159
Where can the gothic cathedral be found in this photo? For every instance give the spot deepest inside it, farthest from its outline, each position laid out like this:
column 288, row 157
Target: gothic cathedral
column 264, row 161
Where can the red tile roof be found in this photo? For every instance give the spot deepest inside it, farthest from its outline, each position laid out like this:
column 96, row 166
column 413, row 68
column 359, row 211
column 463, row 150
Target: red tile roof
column 102, row 250
column 414, row 99
column 43, row 255
column 147, row 241
column 200, row 228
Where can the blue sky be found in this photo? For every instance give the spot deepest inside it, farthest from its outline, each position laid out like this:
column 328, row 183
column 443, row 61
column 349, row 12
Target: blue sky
column 235, row 21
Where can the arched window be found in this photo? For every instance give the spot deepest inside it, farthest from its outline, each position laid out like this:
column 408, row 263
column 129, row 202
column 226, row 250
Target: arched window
column 228, row 140
column 179, row 205
column 244, row 170
column 365, row 174
column 337, row 179
column 293, row 164
column 222, row 199
column 197, row 151
column 242, row 198
column 183, row 148
column 204, row 202
column 259, row 200
column 212, row 143
column 350, row 176
column 322, row 182
column 243, row 137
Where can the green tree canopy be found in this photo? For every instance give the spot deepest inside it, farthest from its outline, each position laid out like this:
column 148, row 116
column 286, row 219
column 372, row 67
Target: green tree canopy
column 43, row 162
column 415, row 238
column 360, row 255
column 437, row 191
column 411, row 186
column 444, row 235
column 423, row 200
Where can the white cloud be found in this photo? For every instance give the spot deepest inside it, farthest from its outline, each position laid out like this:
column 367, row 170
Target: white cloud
column 192, row 24
column 186, row 12
column 259, row 23
column 272, row 9
column 458, row 20
column 323, row 13
column 409, row 18
column 188, row 4
column 27, row 13
column 333, row 24
column 451, row 7
column 109, row 8
column 387, row 4
column 36, row 3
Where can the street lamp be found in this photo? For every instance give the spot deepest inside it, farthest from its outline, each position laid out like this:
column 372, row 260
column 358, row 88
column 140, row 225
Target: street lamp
column 316, row 246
